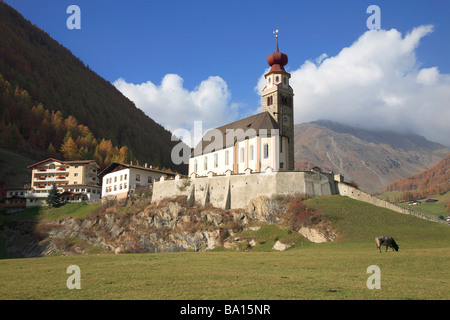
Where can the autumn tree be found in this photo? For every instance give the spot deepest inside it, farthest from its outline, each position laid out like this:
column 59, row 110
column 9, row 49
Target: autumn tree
column 69, row 149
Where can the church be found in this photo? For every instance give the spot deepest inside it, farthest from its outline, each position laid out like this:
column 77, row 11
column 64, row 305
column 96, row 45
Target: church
column 261, row 142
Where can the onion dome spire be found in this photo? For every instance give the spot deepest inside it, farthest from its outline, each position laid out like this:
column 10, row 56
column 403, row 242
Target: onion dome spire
column 277, row 60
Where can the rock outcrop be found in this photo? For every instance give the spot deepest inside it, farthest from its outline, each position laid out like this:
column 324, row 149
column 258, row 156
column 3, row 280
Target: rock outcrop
column 166, row 226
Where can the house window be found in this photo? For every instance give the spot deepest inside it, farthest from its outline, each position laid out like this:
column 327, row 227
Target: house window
column 121, row 177
column 115, row 179
column 125, row 176
column 266, row 151
column 242, row 155
column 277, row 79
column 75, row 174
column 149, row 179
column 115, row 187
column 251, row 152
column 125, row 185
column 138, row 177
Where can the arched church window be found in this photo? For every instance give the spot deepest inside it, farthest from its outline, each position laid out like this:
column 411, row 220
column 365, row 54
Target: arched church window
column 242, row 155
column 251, row 152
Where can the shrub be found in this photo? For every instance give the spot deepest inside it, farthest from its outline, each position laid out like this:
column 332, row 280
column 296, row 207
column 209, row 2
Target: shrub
column 300, row 216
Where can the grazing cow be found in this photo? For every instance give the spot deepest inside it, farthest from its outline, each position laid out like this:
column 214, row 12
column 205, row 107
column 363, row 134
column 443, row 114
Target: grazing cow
column 386, row 241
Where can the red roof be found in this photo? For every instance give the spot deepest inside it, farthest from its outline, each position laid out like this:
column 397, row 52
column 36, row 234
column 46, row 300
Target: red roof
column 72, row 162
column 277, row 61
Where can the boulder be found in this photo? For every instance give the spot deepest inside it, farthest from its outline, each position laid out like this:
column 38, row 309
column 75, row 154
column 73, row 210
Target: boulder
column 279, row 246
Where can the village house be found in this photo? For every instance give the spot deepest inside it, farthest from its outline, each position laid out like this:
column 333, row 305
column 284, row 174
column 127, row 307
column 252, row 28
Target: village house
column 15, row 199
column 119, row 180
column 75, row 180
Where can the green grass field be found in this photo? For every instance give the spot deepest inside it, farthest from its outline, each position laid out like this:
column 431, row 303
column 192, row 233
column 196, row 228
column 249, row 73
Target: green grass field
column 75, row 209
column 333, row 270
column 435, row 210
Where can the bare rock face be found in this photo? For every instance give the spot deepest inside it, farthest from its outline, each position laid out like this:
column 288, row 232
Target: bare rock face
column 167, row 226
column 317, row 235
column 265, row 209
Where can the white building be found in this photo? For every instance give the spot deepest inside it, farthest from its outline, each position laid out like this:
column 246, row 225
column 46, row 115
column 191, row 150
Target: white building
column 265, row 140
column 120, row 179
column 252, row 143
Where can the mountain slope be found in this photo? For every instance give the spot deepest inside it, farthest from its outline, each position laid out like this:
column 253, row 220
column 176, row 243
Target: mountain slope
column 372, row 159
column 431, row 181
column 53, row 76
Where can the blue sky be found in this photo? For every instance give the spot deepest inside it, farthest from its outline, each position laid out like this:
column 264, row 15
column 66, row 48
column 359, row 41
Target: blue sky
column 223, row 45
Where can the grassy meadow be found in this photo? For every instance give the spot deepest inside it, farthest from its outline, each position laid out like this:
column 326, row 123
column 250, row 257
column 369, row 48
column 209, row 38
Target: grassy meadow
column 333, row 270
column 435, row 210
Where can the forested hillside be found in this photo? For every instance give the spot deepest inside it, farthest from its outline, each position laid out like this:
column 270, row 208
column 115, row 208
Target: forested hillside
column 47, row 80
column 435, row 180
column 33, row 130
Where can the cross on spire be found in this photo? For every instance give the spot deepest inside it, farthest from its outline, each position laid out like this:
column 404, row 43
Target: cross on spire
column 276, row 36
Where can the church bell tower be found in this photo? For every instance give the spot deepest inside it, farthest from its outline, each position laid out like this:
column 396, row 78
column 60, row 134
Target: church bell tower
column 278, row 100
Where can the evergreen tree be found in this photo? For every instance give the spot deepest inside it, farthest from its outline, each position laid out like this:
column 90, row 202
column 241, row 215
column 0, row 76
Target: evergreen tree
column 51, row 151
column 54, row 197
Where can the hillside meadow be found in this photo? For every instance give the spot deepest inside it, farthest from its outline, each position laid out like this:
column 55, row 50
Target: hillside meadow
column 333, row 270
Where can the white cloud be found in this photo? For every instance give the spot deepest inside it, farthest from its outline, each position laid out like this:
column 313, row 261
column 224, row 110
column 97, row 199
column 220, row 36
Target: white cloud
column 376, row 83
column 175, row 107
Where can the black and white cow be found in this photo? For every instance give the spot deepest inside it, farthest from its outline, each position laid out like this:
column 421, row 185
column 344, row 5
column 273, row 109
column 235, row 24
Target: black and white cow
column 386, row 241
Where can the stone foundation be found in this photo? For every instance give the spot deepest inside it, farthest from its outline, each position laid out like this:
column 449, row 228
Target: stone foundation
column 232, row 191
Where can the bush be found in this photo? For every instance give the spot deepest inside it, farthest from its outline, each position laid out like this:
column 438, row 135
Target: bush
column 300, row 216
